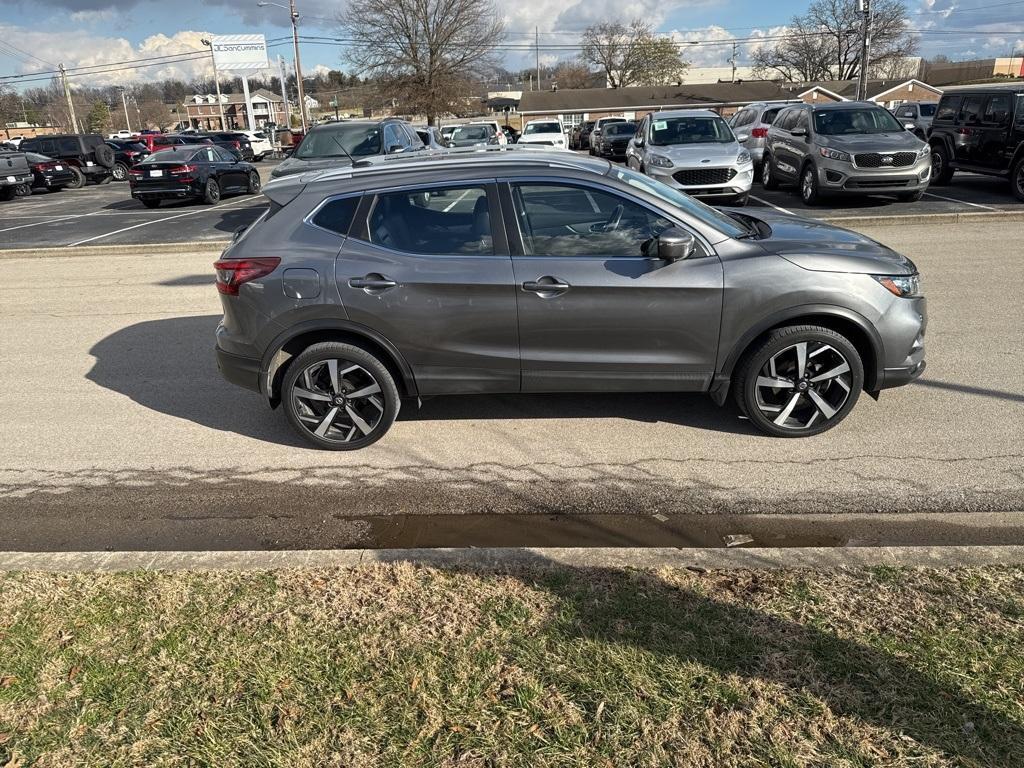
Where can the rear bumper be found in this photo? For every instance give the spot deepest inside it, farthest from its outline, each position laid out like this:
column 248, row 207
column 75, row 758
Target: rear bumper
column 14, row 181
column 164, row 192
column 242, row 371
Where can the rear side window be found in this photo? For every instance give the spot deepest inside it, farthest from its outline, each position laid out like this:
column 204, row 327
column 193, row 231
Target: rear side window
column 770, row 114
column 336, row 215
column 787, row 119
column 998, row 109
column 948, row 107
column 433, row 222
column 971, row 110
column 69, row 146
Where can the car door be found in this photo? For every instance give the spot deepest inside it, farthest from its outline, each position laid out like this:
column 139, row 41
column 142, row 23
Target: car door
column 969, row 129
column 597, row 313
column 234, row 173
column 427, row 267
column 993, row 143
column 783, row 152
column 635, row 148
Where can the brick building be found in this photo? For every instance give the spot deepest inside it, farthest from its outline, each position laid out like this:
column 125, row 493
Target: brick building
column 887, row 93
column 203, row 113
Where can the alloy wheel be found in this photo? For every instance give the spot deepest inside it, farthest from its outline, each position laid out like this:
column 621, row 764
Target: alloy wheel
column 337, row 400
column 803, row 384
column 1018, row 180
column 937, row 165
column 807, row 186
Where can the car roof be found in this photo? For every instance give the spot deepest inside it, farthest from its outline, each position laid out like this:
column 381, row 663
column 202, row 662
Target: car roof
column 686, row 113
column 839, row 106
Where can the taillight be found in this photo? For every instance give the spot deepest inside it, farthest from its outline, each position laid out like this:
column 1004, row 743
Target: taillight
column 236, row 144
column 231, row 273
column 759, row 133
column 179, row 169
column 134, row 171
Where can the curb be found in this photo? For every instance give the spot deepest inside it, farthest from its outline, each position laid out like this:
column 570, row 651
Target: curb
column 973, row 217
column 813, row 558
column 135, row 249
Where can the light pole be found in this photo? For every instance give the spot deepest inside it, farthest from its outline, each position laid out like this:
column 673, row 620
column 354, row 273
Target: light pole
column 294, row 15
column 216, row 80
column 124, row 103
column 864, row 6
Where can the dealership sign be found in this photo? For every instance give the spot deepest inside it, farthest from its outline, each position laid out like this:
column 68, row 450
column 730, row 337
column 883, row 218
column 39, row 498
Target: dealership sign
column 240, row 53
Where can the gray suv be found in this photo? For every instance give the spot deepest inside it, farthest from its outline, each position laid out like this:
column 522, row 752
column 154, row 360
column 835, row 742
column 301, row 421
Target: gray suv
column 845, row 148
column 508, row 271
column 916, row 116
column 751, row 125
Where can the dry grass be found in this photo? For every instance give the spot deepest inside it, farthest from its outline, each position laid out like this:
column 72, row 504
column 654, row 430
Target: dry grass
column 407, row 666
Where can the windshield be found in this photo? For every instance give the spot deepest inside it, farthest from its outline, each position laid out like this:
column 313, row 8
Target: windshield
column 170, row 156
column 619, row 129
column 690, row 130
column 928, row 110
column 472, row 133
column 336, row 140
column 839, row 122
column 724, row 224
column 542, row 128
column 34, row 158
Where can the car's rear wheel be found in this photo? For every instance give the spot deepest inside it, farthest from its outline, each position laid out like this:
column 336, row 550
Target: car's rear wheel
column 151, row 203
column 339, row 396
column 768, row 178
column 79, row 179
column 120, row 171
column 800, row 381
column 1017, row 179
column 255, row 185
column 211, row 193
column 942, row 172
column 23, row 190
column 809, row 185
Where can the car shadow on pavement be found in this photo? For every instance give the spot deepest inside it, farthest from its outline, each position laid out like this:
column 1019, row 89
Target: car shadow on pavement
column 190, row 280
column 678, row 622
column 169, row 366
column 998, row 394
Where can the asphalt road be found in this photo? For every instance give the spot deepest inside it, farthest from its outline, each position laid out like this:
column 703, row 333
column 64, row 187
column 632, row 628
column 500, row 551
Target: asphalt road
column 107, row 215
column 118, row 432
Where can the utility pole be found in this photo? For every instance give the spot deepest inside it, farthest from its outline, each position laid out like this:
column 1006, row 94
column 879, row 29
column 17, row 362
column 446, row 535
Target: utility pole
column 124, row 103
column 735, row 48
column 537, row 31
column 284, row 92
column 216, row 80
column 864, row 6
column 67, row 94
column 298, row 63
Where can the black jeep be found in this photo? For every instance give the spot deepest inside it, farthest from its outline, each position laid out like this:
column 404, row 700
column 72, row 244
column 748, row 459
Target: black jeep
column 87, row 154
column 980, row 129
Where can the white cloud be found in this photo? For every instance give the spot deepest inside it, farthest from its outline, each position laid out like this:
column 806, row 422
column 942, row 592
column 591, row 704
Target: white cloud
column 93, row 16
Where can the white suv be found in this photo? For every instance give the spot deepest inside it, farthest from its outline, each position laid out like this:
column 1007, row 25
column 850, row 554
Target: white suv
column 261, row 146
column 548, row 133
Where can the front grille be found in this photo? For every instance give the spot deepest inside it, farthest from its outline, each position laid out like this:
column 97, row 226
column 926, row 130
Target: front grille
column 876, row 159
column 883, row 182
column 703, row 176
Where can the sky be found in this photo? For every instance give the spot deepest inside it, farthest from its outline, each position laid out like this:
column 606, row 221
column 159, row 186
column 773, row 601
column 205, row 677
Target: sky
column 35, row 35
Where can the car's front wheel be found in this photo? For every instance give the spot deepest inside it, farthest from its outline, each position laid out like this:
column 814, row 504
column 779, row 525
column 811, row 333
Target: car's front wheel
column 1017, row 179
column 809, row 185
column 942, row 172
column 339, row 396
column 255, row 185
column 768, row 179
column 799, row 381
column 211, row 192
column 120, row 171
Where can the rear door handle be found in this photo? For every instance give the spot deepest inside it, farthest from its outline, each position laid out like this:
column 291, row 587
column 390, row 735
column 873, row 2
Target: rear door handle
column 372, row 282
column 547, row 284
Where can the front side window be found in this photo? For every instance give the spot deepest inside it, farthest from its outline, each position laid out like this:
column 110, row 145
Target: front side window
column 562, row 220
column 340, row 141
column 690, row 130
column 434, row 222
column 858, row 120
column 394, row 141
column 998, row 109
column 948, row 107
column 1020, row 109
column 787, row 119
column 971, row 110
column 770, row 114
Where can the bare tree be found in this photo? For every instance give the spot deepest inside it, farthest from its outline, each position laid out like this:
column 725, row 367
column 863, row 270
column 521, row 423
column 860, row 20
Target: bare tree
column 631, row 54
column 824, row 43
column 423, row 51
column 572, row 74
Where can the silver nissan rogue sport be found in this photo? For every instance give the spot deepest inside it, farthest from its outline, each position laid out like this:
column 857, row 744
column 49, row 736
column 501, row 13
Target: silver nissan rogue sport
column 537, row 271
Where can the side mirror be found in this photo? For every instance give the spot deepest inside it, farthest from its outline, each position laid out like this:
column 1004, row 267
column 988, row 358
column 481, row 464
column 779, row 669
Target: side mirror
column 798, row 132
column 394, row 148
column 742, row 137
column 909, row 126
column 676, row 244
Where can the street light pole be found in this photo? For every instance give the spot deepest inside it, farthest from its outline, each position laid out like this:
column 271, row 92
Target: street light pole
column 216, row 80
column 865, row 50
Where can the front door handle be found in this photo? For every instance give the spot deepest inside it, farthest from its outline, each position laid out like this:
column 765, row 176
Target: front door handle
column 546, row 286
column 372, row 282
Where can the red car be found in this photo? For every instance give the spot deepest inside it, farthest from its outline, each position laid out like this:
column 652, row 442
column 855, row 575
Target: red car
column 158, row 141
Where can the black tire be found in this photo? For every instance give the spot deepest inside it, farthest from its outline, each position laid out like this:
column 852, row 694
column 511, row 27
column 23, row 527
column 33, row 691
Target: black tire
column 7, row 193
column 79, row 181
column 745, row 386
column 255, row 184
column 1017, row 179
column 211, row 193
column 809, row 192
column 910, row 197
column 769, row 179
column 942, row 172
column 104, row 155
column 151, row 202
column 23, row 190
column 120, row 172
column 307, row 416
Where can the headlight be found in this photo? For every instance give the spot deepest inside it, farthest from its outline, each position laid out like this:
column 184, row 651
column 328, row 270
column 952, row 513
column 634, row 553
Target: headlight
column 924, row 152
column 659, row 161
column 834, row 154
column 743, row 158
column 904, row 286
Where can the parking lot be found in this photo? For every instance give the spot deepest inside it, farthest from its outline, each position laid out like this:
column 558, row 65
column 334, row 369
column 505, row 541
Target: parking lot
column 107, row 215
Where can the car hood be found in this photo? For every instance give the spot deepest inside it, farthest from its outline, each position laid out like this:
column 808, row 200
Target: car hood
column 699, row 154
column 873, row 142
column 294, row 165
column 821, row 247
column 527, row 138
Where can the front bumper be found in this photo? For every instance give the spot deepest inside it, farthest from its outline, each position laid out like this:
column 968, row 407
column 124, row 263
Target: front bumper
column 243, row 371
column 838, row 177
column 738, row 185
column 902, row 329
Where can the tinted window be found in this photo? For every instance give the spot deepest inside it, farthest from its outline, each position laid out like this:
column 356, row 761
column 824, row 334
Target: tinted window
column 743, row 118
column 336, row 215
column 34, row 158
column 690, row 130
column 223, row 155
column 855, row 120
column 335, row 140
column 564, row 220
column 948, row 107
column 441, row 221
column 801, row 120
column 619, row 129
column 905, row 112
column 542, row 128
column 927, row 110
column 770, row 114
column 786, row 119
column 971, row 110
column 393, row 137
column 170, row 156
column 1020, row 109
column 68, row 146
column 998, row 109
